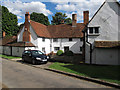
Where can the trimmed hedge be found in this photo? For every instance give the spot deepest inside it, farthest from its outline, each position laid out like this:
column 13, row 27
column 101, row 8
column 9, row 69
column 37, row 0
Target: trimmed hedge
column 59, row 52
column 69, row 53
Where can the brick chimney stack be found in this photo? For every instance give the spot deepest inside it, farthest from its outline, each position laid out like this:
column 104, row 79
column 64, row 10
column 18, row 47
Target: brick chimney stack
column 3, row 34
column 86, row 17
column 74, row 20
column 27, row 17
column 26, row 33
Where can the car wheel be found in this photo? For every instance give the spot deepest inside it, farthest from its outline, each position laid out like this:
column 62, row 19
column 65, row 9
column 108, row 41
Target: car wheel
column 23, row 59
column 33, row 62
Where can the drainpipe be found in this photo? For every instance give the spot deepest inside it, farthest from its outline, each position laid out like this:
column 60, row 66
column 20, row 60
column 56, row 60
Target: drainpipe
column 90, row 47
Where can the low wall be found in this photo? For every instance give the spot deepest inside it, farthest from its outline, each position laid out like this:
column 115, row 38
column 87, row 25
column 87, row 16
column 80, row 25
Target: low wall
column 6, row 50
column 17, row 51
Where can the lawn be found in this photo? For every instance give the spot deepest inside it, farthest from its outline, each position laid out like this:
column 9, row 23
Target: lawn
column 8, row 57
column 106, row 73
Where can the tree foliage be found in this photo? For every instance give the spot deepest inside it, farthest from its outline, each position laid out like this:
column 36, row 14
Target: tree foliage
column 9, row 22
column 39, row 17
column 0, row 21
column 59, row 17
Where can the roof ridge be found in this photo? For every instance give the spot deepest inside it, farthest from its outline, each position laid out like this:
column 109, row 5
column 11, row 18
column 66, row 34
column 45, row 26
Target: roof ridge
column 38, row 23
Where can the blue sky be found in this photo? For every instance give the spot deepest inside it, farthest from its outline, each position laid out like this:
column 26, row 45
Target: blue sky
column 50, row 7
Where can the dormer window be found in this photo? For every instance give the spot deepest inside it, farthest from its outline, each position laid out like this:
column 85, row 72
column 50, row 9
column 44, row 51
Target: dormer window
column 93, row 30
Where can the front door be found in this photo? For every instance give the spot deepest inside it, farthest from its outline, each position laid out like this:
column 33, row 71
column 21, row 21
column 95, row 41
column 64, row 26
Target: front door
column 66, row 48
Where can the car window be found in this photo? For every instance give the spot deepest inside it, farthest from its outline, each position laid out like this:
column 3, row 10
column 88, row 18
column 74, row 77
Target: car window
column 27, row 52
column 37, row 53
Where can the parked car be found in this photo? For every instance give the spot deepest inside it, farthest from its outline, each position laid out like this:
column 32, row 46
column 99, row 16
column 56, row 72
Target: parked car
column 34, row 56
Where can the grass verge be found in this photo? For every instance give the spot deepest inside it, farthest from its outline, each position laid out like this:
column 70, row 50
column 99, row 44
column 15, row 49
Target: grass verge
column 106, row 73
column 8, row 57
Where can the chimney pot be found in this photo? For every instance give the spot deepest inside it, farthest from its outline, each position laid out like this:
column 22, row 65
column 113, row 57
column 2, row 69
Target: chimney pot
column 74, row 20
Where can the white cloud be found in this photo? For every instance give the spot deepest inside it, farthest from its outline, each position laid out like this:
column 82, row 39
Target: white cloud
column 19, row 17
column 19, row 8
column 20, row 23
column 78, row 6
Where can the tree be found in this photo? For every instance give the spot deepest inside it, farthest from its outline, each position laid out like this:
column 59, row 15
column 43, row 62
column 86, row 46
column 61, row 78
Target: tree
column 59, row 17
column 39, row 17
column 9, row 22
column 0, row 21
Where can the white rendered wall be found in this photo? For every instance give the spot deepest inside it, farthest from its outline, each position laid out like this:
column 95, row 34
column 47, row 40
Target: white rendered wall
column 33, row 36
column 20, row 35
column 45, row 44
column 108, row 20
column 74, row 45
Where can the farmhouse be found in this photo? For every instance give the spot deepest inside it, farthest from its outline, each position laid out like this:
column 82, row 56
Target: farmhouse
column 102, row 44
column 34, row 35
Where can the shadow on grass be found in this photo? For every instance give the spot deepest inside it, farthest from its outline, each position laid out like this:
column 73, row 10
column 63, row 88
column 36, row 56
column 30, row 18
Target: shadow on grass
column 110, row 73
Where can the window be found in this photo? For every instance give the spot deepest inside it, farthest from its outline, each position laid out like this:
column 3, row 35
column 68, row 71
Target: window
column 93, row 30
column 81, row 39
column 70, row 39
column 81, row 49
column 55, row 40
column 27, row 52
column 43, row 39
column 56, row 48
column 43, row 49
column 96, row 30
column 66, row 48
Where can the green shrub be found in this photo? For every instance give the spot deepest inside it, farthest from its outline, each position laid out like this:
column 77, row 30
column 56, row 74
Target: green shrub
column 69, row 53
column 59, row 52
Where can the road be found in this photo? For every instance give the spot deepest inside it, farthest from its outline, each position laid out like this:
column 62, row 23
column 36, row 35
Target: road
column 18, row 75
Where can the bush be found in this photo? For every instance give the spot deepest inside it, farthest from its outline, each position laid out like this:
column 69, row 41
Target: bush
column 69, row 53
column 59, row 52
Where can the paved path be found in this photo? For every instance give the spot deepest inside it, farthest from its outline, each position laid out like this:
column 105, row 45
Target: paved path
column 17, row 75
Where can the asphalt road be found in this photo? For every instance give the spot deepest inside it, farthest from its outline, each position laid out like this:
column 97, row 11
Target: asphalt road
column 17, row 75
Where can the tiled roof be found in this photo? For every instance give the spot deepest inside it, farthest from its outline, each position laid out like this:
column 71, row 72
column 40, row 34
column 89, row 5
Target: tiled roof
column 40, row 29
column 22, row 44
column 7, row 39
column 107, row 44
column 58, row 31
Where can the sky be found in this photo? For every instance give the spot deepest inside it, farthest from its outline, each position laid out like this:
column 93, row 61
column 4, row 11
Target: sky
column 50, row 7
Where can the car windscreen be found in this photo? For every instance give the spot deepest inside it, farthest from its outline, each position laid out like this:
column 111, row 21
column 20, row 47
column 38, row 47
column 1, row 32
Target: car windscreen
column 37, row 53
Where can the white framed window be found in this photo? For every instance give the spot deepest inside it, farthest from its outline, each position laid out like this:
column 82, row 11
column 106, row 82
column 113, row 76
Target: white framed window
column 43, row 39
column 93, row 30
column 56, row 48
column 55, row 39
column 43, row 49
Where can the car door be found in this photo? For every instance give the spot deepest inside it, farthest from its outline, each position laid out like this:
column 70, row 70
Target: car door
column 28, row 56
column 25, row 55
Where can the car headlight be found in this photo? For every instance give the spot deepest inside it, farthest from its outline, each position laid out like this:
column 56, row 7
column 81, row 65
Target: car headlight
column 47, row 57
column 38, row 58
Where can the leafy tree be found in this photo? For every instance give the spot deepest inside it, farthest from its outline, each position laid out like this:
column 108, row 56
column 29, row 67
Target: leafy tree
column 9, row 22
column 39, row 17
column 59, row 17
column 0, row 21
